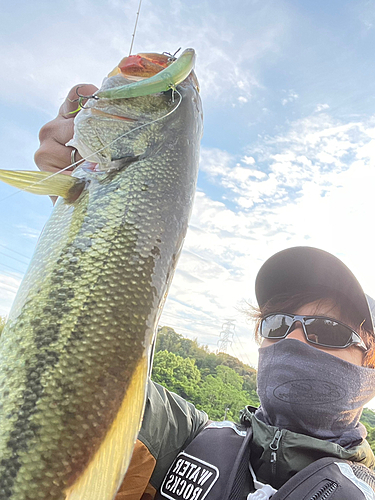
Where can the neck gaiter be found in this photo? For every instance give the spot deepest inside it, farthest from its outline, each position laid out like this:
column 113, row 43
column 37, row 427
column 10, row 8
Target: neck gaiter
column 308, row 391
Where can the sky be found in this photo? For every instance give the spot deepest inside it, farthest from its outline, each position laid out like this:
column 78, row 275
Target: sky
column 288, row 152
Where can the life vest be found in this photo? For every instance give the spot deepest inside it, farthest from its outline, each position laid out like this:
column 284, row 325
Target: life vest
column 209, row 464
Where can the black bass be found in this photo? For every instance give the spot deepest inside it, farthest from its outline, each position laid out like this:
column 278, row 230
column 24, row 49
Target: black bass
column 74, row 355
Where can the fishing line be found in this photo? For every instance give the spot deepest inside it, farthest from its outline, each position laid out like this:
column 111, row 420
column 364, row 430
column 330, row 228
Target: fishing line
column 101, row 149
column 135, row 27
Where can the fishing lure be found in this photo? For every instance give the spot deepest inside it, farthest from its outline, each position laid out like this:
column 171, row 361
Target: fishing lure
column 163, row 81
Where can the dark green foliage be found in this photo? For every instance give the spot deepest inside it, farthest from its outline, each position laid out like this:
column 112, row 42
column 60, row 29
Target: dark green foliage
column 368, row 417
column 169, row 340
column 177, row 374
column 222, row 391
column 219, row 384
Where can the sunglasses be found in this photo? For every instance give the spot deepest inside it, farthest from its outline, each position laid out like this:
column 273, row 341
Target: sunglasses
column 318, row 330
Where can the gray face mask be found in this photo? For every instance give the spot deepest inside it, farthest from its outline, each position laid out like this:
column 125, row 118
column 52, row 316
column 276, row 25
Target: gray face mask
column 306, row 390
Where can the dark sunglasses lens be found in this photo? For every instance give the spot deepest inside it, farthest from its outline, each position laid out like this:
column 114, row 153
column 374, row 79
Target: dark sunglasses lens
column 275, row 326
column 327, row 332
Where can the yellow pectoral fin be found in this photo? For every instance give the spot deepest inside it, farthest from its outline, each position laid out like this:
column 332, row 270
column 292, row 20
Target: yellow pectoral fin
column 43, row 183
column 105, row 472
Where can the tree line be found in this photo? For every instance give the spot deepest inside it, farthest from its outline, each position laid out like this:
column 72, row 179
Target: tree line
column 218, row 384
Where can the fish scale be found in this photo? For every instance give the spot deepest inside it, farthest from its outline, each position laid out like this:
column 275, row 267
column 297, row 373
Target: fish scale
column 78, row 338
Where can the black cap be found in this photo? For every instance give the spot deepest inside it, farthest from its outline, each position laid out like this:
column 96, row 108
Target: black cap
column 298, row 268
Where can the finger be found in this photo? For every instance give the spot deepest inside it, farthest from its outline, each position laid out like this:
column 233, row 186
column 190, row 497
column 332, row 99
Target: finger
column 71, row 104
column 53, row 157
column 60, row 129
column 52, row 154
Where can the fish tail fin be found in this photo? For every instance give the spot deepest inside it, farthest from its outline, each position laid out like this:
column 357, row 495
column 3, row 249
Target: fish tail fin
column 43, row 182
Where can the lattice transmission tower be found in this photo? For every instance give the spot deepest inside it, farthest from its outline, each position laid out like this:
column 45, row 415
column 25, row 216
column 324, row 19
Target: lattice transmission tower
column 226, row 335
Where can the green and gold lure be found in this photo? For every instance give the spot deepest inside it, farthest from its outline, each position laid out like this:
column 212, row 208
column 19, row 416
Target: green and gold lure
column 165, row 80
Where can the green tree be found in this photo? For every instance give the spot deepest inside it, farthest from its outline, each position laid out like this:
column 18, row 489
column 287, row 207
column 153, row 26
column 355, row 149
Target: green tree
column 221, row 392
column 176, row 374
column 368, row 416
column 188, row 379
column 168, row 340
column 368, row 420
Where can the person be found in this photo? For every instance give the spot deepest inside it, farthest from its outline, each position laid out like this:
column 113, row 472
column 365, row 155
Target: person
column 316, row 372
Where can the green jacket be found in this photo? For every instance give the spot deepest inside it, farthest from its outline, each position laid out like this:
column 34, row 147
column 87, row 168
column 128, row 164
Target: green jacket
column 294, row 452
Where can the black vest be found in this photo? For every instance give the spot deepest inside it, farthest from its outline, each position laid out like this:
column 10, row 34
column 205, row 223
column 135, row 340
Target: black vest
column 214, row 466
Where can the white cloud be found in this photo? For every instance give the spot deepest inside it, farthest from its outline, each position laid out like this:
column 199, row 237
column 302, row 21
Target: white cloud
column 321, row 107
column 248, row 160
column 291, row 96
column 28, row 232
column 315, row 153
column 364, row 11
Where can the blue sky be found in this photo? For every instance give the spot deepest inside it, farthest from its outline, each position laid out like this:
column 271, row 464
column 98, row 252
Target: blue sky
column 288, row 149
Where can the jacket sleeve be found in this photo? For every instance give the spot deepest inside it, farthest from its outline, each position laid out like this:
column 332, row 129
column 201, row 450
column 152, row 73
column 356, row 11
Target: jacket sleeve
column 169, row 424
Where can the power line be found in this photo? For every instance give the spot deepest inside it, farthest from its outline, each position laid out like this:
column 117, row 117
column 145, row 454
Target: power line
column 14, row 269
column 243, row 349
column 242, row 356
column 10, row 289
column 15, row 251
column 3, row 272
column 236, row 354
column 15, row 258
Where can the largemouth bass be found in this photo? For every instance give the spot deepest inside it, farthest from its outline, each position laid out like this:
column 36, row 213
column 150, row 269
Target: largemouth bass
column 74, row 355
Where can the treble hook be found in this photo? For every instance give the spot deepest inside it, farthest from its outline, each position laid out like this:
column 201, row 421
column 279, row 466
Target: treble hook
column 86, row 96
column 80, row 100
column 172, row 57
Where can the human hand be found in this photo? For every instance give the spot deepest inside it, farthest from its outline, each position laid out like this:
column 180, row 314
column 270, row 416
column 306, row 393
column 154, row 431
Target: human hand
column 53, row 155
